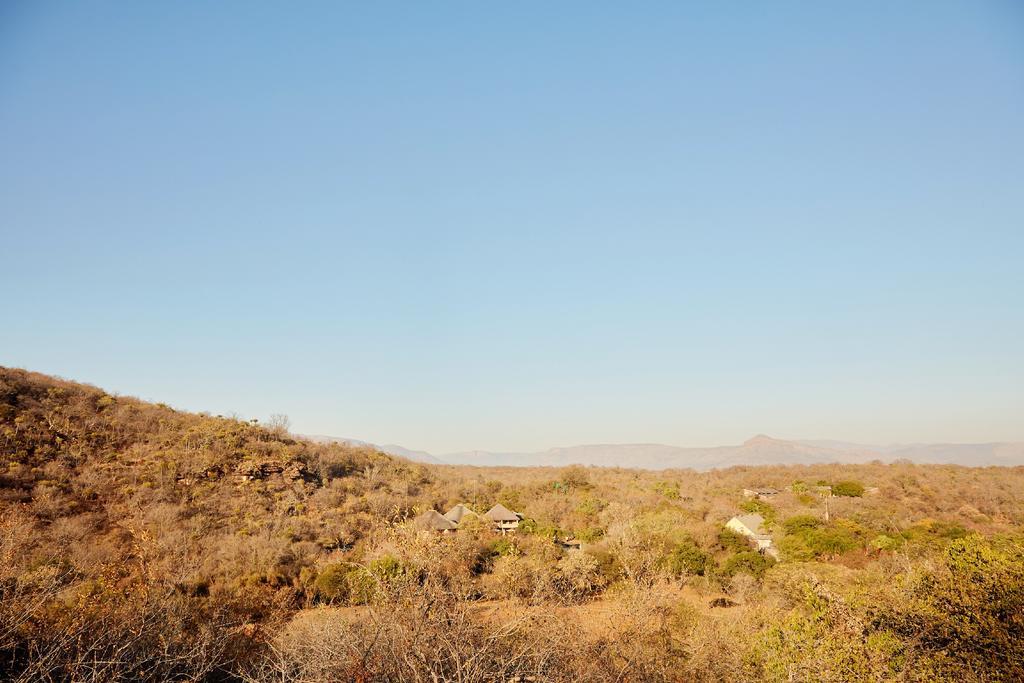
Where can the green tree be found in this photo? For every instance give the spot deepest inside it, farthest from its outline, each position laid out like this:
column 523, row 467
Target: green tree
column 687, row 558
column 796, row 549
column 730, row 540
column 831, row 541
column 747, row 562
column 801, row 523
column 760, row 507
column 851, row 489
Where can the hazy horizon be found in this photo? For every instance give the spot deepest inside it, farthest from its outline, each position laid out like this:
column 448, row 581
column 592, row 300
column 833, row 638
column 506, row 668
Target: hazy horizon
column 519, row 227
column 818, row 439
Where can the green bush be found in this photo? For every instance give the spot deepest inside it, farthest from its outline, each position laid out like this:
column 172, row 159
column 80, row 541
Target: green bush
column 730, row 540
column 357, row 585
column 687, row 559
column 747, row 562
column 386, row 568
column 668, row 489
column 608, row 565
column 850, row 489
column 801, row 523
column 948, row 530
column 504, row 546
column 760, row 507
column 937, row 532
column 831, row 541
column 807, row 538
column 884, row 542
column 532, row 526
column 968, row 611
column 796, row 549
column 331, row 584
column 591, row 506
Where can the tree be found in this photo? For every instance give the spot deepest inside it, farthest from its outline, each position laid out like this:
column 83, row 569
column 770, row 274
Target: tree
column 575, row 477
column 759, row 507
column 748, row 562
column 801, row 523
column 730, row 540
column 279, row 423
column 687, row 559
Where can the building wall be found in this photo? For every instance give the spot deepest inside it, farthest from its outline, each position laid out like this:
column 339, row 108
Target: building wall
column 736, row 526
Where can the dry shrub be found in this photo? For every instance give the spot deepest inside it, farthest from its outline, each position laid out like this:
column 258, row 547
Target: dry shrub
column 426, row 633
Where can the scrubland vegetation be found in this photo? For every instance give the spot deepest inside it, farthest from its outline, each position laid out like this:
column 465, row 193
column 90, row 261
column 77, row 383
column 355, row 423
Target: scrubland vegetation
column 142, row 543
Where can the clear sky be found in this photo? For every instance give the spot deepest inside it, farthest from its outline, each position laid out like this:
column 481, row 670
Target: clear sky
column 525, row 224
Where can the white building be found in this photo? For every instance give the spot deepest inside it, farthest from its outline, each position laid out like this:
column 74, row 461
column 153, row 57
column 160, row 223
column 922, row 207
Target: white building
column 752, row 526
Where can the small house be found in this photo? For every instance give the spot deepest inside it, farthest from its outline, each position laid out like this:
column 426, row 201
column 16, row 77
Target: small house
column 460, row 512
column 432, row 520
column 751, row 526
column 761, row 493
column 503, row 519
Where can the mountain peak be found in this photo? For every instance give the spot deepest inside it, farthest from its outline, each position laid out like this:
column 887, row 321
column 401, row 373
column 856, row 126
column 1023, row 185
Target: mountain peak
column 761, row 439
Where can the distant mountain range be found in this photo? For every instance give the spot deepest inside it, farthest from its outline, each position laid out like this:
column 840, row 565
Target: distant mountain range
column 760, row 450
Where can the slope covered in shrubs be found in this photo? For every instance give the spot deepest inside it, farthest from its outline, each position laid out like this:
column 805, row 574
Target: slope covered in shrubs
column 138, row 542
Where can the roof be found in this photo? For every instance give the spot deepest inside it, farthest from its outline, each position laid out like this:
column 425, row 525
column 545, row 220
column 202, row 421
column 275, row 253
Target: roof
column 754, row 522
column 432, row 519
column 500, row 513
column 458, row 512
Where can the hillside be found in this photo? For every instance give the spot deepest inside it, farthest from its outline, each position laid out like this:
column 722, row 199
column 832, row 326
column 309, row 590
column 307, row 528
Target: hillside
column 122, row 501
column 139, row 542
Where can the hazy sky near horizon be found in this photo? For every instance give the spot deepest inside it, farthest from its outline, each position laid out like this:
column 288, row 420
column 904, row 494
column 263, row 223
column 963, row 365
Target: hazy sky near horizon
column 511, row 226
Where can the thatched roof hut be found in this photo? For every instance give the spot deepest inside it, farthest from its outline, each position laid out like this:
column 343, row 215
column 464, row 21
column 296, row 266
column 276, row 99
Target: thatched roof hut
column 433, row 520
column 459, row 512
column 501, row 514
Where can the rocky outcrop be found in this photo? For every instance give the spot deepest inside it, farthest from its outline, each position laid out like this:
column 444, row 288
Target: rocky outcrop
column 260, row 470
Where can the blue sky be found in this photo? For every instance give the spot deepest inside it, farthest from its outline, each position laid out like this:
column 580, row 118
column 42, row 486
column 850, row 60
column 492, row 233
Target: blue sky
column 519, row 225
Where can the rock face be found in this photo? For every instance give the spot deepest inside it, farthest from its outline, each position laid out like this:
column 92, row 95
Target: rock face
column 259, row 470
column 296, row 471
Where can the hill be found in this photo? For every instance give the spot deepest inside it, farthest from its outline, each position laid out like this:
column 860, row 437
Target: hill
column 759, row 450
column 142, row 543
